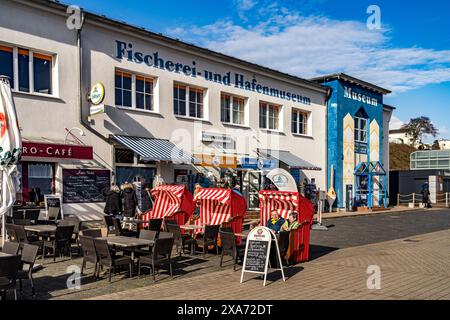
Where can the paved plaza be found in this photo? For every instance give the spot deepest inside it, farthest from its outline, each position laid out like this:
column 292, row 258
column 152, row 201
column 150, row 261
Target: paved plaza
column 411, row 249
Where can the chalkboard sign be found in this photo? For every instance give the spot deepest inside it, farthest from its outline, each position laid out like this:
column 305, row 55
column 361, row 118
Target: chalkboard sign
column 257, row 256
column 53, row 201
column 257, row 249
column 85, row 186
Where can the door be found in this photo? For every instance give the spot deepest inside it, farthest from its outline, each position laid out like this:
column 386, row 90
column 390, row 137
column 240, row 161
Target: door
column 252, row 183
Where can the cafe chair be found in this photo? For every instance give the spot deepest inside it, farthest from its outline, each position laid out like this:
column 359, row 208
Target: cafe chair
column 208, row 238
column 11, row 232
column 60, row 242
column 230, row 248
column 18, row 215
column 89, row 253
column 93, row 233
column 33, row 215
column 52, row 215
column 107, row 258
column 22, row 222
column 124, row 232
column 75, row 222
column 11, row 248
column 29, row 255
column 160, row 255
column 155, row 224
column 181, row 240
column 22, row 237
column 9, row 267
column 145, row 235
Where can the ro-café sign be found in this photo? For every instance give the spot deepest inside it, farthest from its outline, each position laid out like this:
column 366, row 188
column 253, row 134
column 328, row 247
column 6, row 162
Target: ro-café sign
column 59, row 151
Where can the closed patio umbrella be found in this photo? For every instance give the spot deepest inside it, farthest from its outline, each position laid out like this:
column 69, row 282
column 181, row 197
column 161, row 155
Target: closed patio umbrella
column 10, row 150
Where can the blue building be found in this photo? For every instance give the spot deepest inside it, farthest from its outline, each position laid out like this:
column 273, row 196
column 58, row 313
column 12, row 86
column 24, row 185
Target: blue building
column 358, row 150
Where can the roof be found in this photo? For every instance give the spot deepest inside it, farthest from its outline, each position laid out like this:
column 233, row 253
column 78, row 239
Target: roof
column 388, row 107
column 288, row 158
column 57, row 5
column 397, row 131
column 345, row 77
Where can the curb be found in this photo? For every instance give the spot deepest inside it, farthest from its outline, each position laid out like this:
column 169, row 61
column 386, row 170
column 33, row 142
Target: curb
column 365, row 214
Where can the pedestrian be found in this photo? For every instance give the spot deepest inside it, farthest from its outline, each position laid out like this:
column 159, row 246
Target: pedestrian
column 426, row 196
column 113, row 201
column 130, row 201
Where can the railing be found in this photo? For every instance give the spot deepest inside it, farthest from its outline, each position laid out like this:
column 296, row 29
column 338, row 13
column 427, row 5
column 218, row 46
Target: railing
column 416, row 199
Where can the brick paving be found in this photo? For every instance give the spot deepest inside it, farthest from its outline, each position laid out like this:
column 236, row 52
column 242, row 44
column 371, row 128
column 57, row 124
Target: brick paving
column 338, row 256
column 414, row 270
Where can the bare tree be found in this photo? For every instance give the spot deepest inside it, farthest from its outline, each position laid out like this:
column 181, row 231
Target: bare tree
column 418, row 127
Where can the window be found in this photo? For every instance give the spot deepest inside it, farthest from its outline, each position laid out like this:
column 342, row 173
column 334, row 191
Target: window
column 7, row 63
column 123, row 89
column 232, row 109
column 269, row 116
column 360, row 130
column 144, row 93
column 24, row 70
column 34, row 70
column 179, row 99
column 40, row 181
column 124, row 156
column 300, row 122
column 42, row 73
column 194, row 96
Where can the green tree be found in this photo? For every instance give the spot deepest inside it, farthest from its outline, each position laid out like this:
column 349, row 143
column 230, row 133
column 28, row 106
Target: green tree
column 436, row 145
column 418, row 127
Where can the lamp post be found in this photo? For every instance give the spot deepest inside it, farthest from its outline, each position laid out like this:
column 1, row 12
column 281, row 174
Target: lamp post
column 81, row 132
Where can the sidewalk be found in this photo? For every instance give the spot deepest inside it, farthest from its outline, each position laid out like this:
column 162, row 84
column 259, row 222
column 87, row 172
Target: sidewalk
column 334, row 215
column 416, row 268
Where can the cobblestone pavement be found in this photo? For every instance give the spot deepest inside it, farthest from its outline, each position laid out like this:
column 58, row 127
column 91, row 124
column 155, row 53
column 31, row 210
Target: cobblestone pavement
column 417, row 268
column 346, row 233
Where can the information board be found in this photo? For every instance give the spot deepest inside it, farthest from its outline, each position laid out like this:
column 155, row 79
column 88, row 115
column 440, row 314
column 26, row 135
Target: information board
column 53, row 201
column 85, row 186
column 257, row 249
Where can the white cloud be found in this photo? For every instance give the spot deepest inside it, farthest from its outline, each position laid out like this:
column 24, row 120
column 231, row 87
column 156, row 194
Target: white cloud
column 309, row 46
column 395, row 123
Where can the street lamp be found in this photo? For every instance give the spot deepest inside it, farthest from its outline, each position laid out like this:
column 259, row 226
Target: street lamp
column 81, row 132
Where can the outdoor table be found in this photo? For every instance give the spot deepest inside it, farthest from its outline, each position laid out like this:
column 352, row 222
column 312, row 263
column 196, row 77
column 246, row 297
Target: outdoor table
column 128, row 243
column 41, row 229
column 2, row 254
column 191, row 227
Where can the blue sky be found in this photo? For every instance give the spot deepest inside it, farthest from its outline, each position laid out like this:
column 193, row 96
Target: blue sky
column 410, row 54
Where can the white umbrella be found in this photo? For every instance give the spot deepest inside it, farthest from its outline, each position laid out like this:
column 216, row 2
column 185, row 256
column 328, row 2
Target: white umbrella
column 10, row 150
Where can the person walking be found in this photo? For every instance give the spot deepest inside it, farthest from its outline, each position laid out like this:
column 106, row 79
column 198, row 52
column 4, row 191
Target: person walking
column 113, row 201
column 130, row 201
column 426, row 196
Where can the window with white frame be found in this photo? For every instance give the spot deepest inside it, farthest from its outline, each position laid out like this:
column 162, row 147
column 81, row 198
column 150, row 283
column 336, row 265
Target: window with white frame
column 269, row 116
column 188, row 101
column 299, row 122
column 232, row 109
column 28, row 70
column 134, row 91
column 360, row 130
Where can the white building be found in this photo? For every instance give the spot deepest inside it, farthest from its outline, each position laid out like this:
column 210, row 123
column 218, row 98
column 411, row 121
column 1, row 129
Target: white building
column 400, row 136
column 225, row 113
column 444, row 144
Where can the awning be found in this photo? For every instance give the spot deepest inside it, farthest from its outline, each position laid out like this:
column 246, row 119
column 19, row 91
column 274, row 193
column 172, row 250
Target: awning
column 150, row 149
column 288, row 158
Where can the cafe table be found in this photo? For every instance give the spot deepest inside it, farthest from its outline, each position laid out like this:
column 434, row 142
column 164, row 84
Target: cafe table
column 41, row 229
column 2, row 254
column 130, row 243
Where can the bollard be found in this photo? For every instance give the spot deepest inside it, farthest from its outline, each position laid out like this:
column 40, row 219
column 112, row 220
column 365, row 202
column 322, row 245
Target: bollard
column 414, row 200
column 398, row 200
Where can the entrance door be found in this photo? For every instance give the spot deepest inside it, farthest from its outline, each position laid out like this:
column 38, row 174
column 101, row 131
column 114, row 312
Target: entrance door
column 252, row 182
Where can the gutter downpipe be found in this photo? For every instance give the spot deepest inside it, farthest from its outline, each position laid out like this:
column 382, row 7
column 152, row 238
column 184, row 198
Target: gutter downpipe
column 80, row 81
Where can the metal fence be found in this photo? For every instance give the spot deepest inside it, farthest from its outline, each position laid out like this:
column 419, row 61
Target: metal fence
column 416, row 199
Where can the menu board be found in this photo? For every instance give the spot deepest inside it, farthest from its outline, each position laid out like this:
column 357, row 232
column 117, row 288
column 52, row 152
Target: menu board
column 256, row 256
column 85, row 186
column 53, row 201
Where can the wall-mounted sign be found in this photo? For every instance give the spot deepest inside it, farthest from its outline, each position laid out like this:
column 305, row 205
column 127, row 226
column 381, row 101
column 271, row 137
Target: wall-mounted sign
column 60, row 151
column 352, row 94
column 258, row 164
column 85, row 186
column 216, row 137
column 219, row 161
column 126, row 51
column 97, row 94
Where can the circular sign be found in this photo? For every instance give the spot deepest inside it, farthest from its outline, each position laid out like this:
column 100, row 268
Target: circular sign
column 216, row 161
column 280, row 180
column 97, row 94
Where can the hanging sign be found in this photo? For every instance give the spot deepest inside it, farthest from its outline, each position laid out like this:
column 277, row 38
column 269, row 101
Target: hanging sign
column 96, row 96
column 257, row 252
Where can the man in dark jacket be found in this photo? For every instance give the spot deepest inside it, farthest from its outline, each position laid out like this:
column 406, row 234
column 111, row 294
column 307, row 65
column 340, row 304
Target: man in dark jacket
column 113, row 201
column 130, row 200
